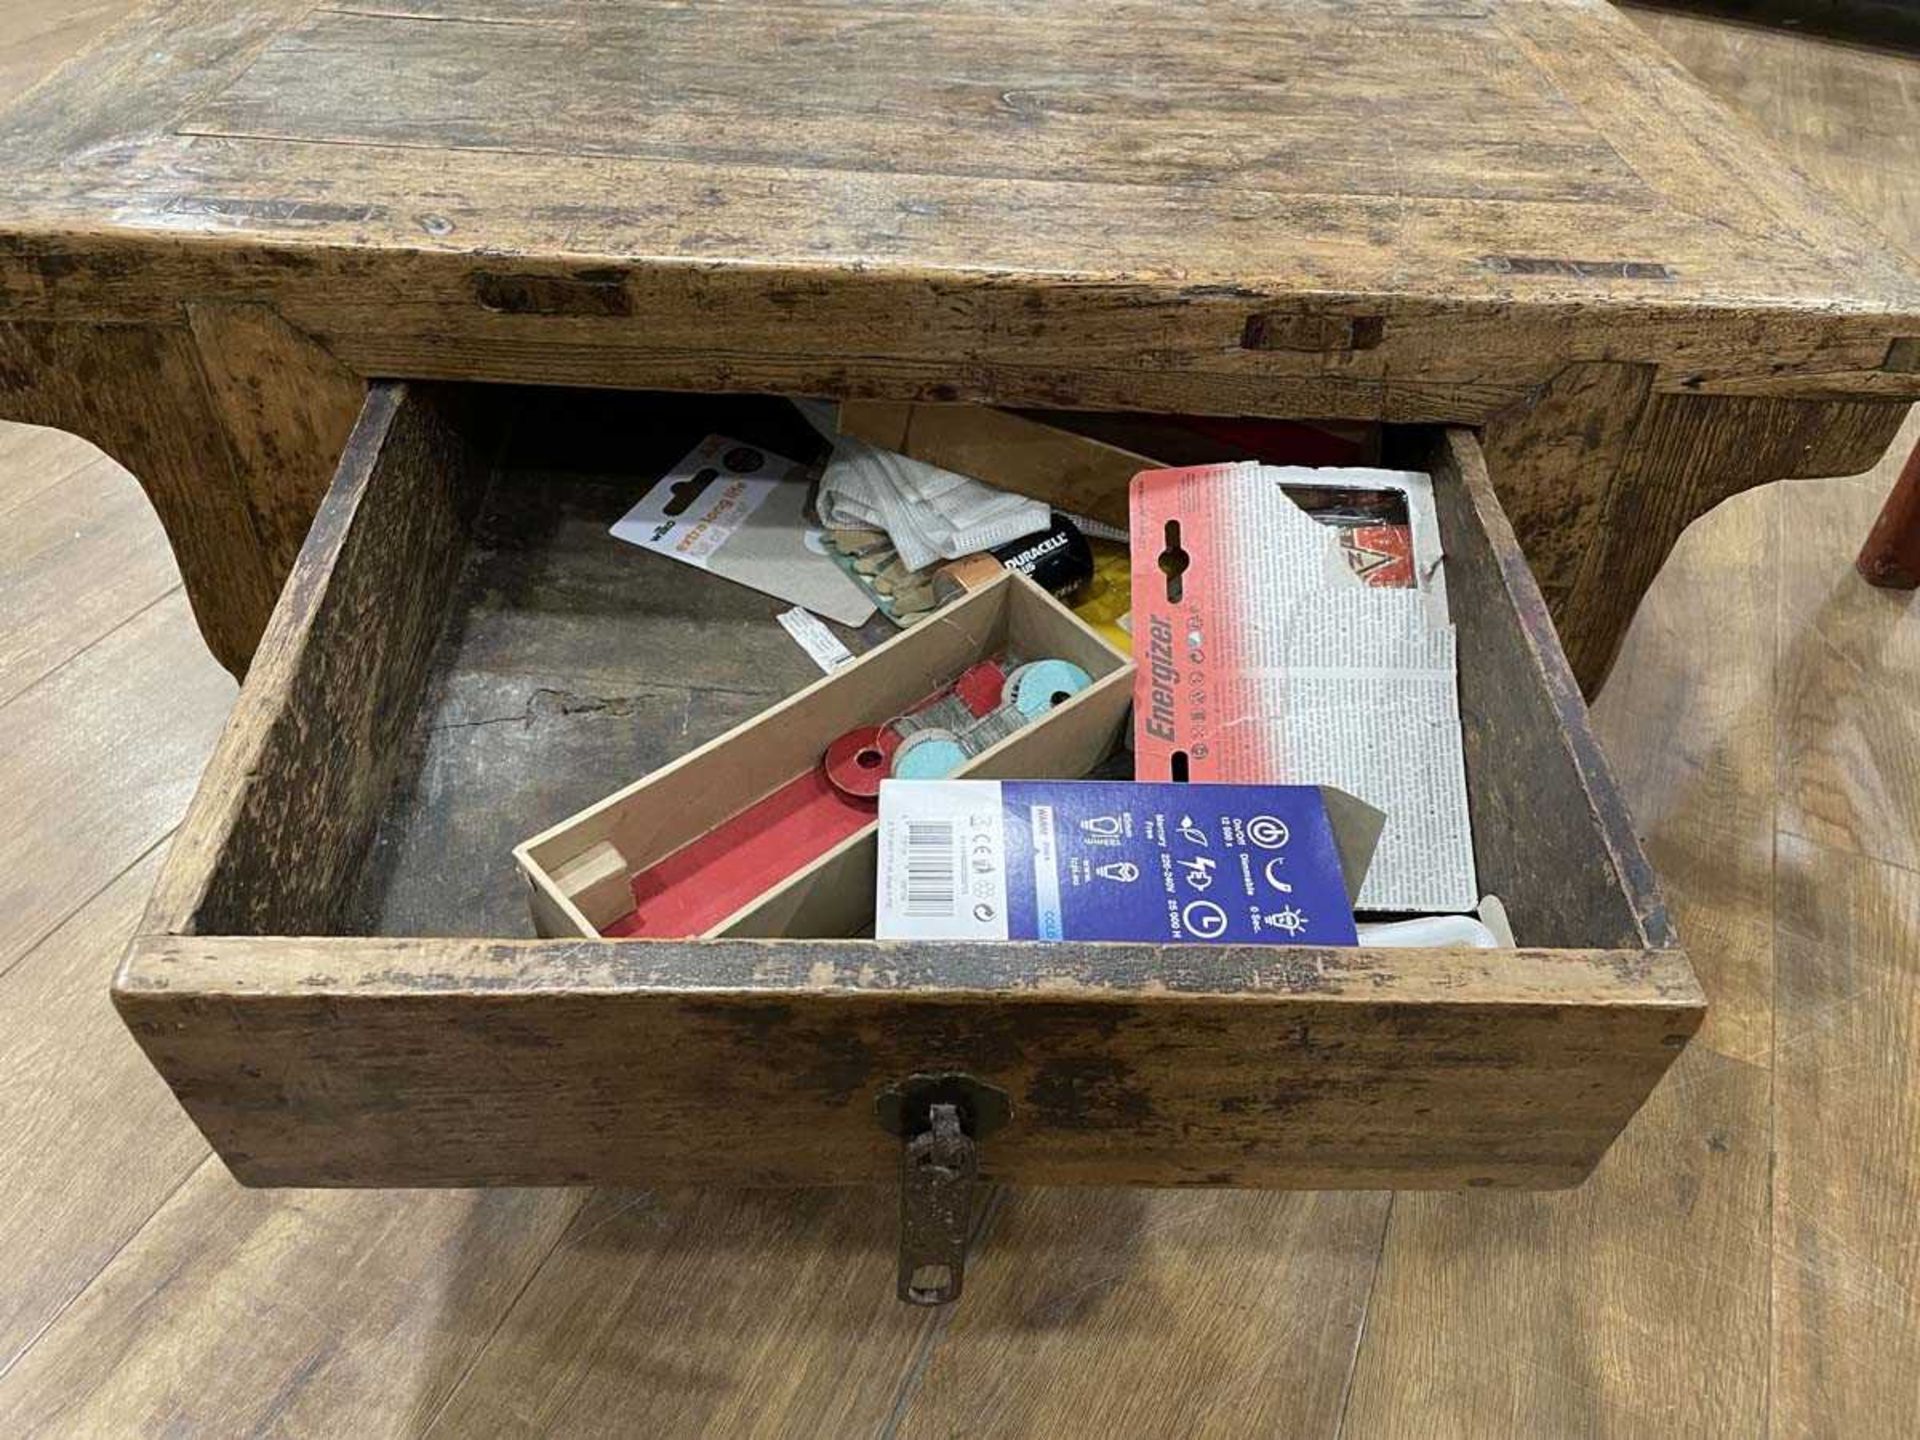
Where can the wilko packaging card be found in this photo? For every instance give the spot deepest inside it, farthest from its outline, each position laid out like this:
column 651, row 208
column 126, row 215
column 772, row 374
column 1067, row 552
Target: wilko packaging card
column 1103, row 860
column 1274, row 647
column 740, row 511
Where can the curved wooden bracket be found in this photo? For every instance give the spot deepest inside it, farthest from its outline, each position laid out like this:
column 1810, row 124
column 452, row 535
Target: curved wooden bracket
column 1601, row 474
column 231, row 422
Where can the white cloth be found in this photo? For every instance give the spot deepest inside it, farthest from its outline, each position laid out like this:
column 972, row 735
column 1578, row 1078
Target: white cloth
column 928, row 513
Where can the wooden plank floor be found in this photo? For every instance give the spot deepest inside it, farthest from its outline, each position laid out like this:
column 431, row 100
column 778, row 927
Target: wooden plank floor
column 1744, row 1261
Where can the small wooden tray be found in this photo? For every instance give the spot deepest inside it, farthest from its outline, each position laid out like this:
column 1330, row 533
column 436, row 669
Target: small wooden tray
column 580, row 872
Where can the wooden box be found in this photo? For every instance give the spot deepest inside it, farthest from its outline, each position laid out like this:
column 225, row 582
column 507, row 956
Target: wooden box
column 339, row 979
column 579, row 873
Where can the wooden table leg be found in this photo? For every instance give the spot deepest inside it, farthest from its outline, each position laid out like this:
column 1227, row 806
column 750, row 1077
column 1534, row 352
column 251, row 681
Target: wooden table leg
column 1601, row 473
column 1891, row 556
column 231, row 421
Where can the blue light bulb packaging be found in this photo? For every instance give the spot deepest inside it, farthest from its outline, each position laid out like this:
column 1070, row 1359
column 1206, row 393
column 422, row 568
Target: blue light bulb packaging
column 1113, row 860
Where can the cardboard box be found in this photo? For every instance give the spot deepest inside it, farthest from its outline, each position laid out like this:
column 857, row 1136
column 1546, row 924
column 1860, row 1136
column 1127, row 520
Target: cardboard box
column 820, row 873
column 1084, row 464
column 1272, row 650
column 1068, row 471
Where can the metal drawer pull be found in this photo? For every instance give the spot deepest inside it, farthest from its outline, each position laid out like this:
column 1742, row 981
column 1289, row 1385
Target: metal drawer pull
column 937, row 1170
column 939, row 1119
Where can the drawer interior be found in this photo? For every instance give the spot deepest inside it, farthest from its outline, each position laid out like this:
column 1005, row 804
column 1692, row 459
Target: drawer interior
column 340, row 976
column 550, row 663
column 567, row 662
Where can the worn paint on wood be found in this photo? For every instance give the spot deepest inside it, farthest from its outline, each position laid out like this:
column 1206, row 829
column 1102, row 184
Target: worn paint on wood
column 564, row 1062
column 338, row 677
column 1632, row 1305
column 395, row 1062
column 1602, row 477
column 1397, row 211
column 139, row 393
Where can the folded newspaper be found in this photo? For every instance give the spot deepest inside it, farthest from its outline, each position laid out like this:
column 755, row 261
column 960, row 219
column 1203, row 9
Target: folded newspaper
column 1290, row 626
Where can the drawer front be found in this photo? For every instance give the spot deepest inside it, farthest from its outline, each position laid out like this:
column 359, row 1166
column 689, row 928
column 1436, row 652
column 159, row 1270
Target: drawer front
column 331, row 977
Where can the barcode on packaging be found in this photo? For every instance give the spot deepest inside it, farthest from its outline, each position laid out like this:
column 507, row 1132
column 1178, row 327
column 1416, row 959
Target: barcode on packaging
column 942, row 862
column 931, row 861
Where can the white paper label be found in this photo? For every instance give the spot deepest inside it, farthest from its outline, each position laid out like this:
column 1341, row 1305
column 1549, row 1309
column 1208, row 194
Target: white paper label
column 943, row 861
column 813, row 637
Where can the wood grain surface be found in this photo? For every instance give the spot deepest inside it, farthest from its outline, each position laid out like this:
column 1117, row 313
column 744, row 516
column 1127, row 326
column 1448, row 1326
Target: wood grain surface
column 1530, row 197
column 1836, row 724
column 1705, row 800
column 141, row 395
column 1631, row 1306
column 95, row 1145
column 340, row 672
column 425, row 1062
column 1846, row 1140
column 1636, row 1304
column 1249, row 1335
column 40, row 36
column 287, row 407
column 75, row 825
column 633, row 1321
column 1604, row 477
column 83, row 521
column 391, row 1061
column 1391, row 210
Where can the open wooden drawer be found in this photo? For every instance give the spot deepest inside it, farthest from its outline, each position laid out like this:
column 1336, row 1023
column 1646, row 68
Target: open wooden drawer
column 338, row 976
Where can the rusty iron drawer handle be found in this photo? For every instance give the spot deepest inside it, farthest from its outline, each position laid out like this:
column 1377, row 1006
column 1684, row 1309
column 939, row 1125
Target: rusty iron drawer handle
column 940, row 1120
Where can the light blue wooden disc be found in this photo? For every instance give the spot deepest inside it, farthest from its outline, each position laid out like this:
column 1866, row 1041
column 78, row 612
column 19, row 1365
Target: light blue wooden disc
column 1040, row 686
column 931, row 754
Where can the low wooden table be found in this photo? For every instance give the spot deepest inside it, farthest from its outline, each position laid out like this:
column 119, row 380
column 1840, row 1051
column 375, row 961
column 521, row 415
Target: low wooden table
column 1513, row 214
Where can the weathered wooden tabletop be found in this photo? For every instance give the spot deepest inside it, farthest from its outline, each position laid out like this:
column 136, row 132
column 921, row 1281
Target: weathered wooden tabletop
column 1513, row 213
